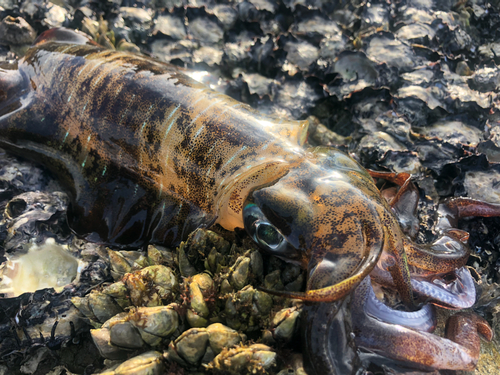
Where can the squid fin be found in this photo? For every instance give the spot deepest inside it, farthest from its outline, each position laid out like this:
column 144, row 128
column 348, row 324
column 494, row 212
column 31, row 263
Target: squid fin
column 294, row 131
column 63, row 35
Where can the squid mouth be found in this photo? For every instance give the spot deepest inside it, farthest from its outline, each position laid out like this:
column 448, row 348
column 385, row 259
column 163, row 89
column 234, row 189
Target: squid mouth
column 460, row 293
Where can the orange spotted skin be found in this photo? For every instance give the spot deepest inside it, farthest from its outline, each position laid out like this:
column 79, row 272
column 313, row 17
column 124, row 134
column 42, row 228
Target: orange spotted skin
column 148, row 154
column 103, row 119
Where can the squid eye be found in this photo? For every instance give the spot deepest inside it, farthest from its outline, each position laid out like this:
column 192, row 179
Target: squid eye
column 268, row 235
column 261, row 230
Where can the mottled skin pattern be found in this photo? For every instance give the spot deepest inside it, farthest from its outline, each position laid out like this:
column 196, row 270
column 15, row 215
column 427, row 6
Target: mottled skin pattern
column 333, row 191
column 117, row 126
column 148, row 154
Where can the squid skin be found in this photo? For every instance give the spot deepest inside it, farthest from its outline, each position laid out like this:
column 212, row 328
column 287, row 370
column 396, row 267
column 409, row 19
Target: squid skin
column 148, row 155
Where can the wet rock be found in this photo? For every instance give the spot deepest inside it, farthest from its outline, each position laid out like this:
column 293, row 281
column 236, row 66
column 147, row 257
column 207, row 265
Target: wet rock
column 301, row 54
column 314, row 24
column 455, row 40
column 376, row 16
column 458, row 89
column 385, row 48
column 258, row 84
column 421, row 77
column 168, row 51
column 297, row 97
column 416, row 33
column 208, row 55
column 44, row 315
column 16, row 31
column 9, row 4
column 357, row 72
column 431, row 96
column 483, row 185
column 490, row 50
column 455, row 132
column 204, row 28
column 135, row 16
column 171, row 25
column 55, row 16
column 485, row 79
column 133, row 23
column 332, row 46
column 226, row 15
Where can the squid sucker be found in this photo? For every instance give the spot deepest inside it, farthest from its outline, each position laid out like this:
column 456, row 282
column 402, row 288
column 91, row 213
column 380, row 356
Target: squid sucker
column 148, row 154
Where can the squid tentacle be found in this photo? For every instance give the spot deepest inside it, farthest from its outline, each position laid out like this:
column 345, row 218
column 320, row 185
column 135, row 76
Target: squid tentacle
column 458, row 351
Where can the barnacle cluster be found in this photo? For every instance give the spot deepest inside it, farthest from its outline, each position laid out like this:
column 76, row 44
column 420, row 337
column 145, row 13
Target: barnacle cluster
column 195, row 305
